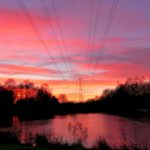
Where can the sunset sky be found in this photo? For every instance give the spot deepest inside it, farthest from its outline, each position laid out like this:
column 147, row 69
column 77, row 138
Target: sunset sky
column 61, row 41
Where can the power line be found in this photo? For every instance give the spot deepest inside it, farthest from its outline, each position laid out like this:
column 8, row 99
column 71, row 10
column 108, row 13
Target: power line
column 95, row 24
column 107, row 30
column 91, row 27
column 61, row 34
column 65, row 59
column 109, row 22
column 28, row 15
column 74, row 11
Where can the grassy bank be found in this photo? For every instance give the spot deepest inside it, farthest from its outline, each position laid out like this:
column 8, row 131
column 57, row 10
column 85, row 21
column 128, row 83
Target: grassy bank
column 26, row 147
column 9, row 141
column 19, row 147
column 103, row 146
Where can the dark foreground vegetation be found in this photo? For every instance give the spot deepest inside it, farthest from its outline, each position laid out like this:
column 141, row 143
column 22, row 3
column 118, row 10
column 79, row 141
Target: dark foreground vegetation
column 29, row 102
column 9, row 141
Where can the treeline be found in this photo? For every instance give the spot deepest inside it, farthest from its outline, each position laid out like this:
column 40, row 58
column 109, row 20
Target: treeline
column 42, row 105
column 130, row 98
column 26, row 101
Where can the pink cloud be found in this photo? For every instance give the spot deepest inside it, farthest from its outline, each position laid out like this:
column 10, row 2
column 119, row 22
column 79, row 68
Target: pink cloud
column 9, row 68
column 114, row 71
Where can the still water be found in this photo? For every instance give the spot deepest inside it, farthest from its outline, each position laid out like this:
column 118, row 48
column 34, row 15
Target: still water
column 86, row 127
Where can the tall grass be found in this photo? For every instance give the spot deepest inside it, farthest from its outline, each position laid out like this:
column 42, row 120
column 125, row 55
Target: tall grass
column 8, row 138
column 43, row 142
column 78, row 133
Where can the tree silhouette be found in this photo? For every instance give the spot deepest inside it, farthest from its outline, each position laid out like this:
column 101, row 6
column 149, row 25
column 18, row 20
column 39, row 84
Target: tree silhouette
column 6, row 101
column 10, row 83
column 62, row 98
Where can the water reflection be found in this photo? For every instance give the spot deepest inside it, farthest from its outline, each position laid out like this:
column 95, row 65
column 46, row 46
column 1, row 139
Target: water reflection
column 89, row 127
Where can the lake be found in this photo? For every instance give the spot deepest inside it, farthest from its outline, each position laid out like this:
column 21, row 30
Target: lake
column 85, row 127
